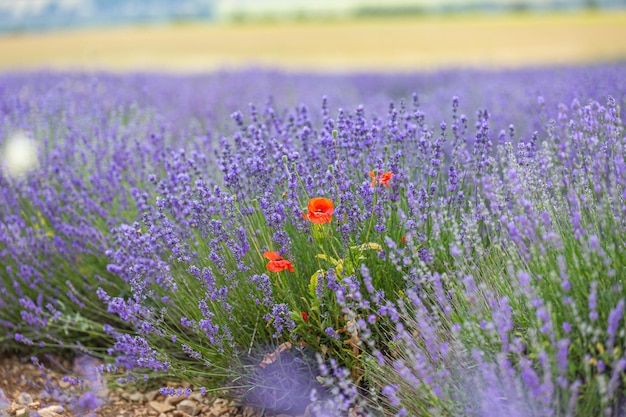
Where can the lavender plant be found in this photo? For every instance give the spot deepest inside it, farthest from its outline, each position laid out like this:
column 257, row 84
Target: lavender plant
column 519, row 331
column 393, row 258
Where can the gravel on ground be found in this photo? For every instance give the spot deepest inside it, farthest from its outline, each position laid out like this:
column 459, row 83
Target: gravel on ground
column 53, row 390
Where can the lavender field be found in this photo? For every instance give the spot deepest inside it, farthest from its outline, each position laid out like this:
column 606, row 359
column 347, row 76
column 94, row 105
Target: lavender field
column 434, row 244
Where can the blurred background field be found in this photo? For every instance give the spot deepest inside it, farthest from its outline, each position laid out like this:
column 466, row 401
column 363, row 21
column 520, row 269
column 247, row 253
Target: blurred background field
column 196, row 35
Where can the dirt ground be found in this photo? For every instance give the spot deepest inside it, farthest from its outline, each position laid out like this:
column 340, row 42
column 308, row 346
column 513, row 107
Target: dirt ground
column 383, row 44
column 52, row 391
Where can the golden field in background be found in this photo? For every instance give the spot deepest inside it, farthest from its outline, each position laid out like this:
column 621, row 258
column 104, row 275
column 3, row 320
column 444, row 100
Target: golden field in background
column 380, row 44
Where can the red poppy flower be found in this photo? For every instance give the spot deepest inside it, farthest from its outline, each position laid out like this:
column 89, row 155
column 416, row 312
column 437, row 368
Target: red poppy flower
column 381, row 178
column 305, row 316
column 277, row 263
column 320, row 210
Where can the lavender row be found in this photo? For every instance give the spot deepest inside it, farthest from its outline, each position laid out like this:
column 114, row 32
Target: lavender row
column 469, row 234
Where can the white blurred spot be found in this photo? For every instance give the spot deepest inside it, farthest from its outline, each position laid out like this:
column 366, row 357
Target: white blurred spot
column 19, row 154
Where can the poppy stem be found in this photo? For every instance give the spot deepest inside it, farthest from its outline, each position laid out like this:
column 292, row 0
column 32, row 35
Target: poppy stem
column 369, row 226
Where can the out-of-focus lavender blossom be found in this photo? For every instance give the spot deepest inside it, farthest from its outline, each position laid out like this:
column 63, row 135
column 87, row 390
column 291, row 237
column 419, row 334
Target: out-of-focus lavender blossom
column 87, row 403
column 4, row 401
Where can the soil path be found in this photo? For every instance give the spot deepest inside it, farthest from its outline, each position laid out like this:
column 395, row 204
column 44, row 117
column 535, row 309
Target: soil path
column 26, row 389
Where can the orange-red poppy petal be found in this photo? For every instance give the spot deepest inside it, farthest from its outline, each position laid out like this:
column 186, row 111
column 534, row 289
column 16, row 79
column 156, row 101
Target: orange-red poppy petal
column 272, row 256
column 381, row 178
column 320, row 218
column 280, row 265
column 321, row 204
column 320, row 210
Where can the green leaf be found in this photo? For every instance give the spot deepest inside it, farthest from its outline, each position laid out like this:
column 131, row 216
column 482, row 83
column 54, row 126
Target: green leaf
column 327, row 258
column 368, row 246
column 313, row 283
